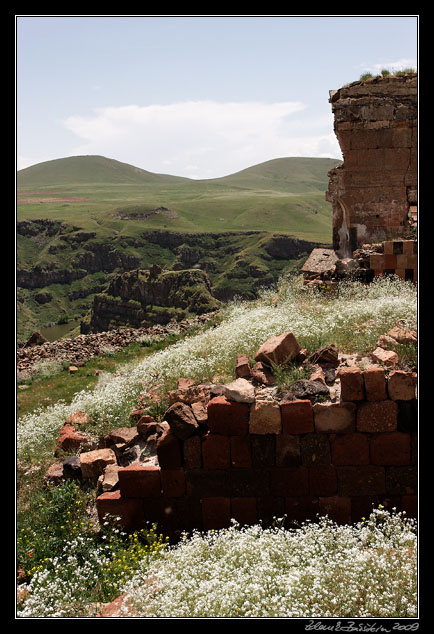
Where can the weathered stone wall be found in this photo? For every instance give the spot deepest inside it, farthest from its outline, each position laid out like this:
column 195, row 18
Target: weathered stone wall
column 375, row 188
column 261, row 460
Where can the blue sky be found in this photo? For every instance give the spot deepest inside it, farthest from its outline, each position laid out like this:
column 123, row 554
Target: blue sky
column 196, row 96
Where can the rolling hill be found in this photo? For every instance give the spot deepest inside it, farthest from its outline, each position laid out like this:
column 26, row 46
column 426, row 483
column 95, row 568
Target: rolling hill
column 82, row 219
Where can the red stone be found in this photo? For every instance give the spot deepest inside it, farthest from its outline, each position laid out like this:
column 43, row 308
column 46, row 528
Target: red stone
column 401, row 385
column 350, row 449
column 216, row 513
column 70, row 439
column 334, row 417
column 242, row 368
column 137, row 481
column 391, row 449
column 173, row 482
column 287, row 450
column 130, row 510
column 377, row 416
column 352, row 384
column 297, row 416
column 361, row 480
column 228, row 417
column 240, row 451
column 375, row 383
column 169, row 451
column 279, row 349
column 192, row 452
column 338, row 509
column 298, row 509
column 322, row 480
column 215, row 452
column 244, row 511
column 410, row 506
column 289, row 481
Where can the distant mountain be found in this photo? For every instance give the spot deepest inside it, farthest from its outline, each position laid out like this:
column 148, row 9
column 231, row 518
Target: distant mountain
column 88, row 169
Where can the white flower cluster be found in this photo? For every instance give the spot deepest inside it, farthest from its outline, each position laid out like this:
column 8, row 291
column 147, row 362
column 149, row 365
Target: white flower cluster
column 320, row 570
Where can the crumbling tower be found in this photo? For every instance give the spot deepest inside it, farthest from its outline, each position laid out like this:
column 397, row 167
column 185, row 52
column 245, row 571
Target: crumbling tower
column 374, row 190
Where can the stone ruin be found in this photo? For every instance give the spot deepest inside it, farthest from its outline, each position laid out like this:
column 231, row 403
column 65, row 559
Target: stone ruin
column 374, row 191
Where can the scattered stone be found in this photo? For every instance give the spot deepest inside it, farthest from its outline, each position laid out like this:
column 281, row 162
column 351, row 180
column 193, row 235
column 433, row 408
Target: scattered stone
column 54, row 474
column 72, row 467
column 242, row 367
column 181, row 420
column 72, row 369
column 70, row 439
column 185, row 383
column 403, row 336
column 109, row 480
column 262, row 374
column 280, row 350
column 200, row 412
column 385, row 357
column 326, row 354
column 318, row 375
column 307, row 389
column 79, row 418
column 94, row 462
column 36, row 339
column 240, row 390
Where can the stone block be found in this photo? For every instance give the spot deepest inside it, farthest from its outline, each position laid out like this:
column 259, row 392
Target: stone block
column 385, row 357
column 288, row 450
column 269, row 509
column 130, row 510
column 169, row 450
column 215, row 452
column 297, row 416
column 401, row 385
column 375, row 383
column 407, row 416
column 93, row 463
column 140, row 481
column 350, row 449
column 298, row 509
column 216, row 513
column 181, row 420
column 352, row 384
column 289, row 481
column 242, row 367
column 173, row 482
column 244, row 511
column 322, row 480
column 409, row 504
column 361, row 480
column 265, row 418
column 206, row 482
column 263, row 450
column 377, row 416
column 334, row 417
column 338, row 509
column 315, row 449
column 241, row 456
column 402, row 480
column 391, row 449
column 280, row 349
column 191, row 451
column 228, row 417
column 250, row 483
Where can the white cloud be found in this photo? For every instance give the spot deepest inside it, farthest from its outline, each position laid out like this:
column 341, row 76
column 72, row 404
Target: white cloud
column 400, row 64
column 202, row 139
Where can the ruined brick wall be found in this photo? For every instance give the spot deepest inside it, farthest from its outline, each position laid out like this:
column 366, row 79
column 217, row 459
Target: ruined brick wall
column 375, row 188
column 266, row 459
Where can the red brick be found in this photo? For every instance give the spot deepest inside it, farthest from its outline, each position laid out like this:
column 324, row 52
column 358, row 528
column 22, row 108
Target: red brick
column 401, row 385
column 401, row 479
column 287, row 450
column 361, row 480
column 130, row 510
column 250, row 483
column 228, row 417
column 137, row 481
column 334, row 417
column 244, row 511
column 240, row 451
column 169, row 451
column 350, row 449
column 390, row 261
column 322, row 480
column 298, row 509
column 173, row 482
column 377, row 416
column 297, row 416
column 191, row 449
column 338, row 509
column 216, row 513
column 289, row 481
column 391, row 449
column 206, row 482
column 352, row 384
column 375, row 383
column 215, row 452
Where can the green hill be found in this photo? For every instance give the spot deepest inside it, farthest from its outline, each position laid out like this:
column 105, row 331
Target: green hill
column 81, row 220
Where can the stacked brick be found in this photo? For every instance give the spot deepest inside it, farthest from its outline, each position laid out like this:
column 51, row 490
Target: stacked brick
column 267, row 459
column 399, row 258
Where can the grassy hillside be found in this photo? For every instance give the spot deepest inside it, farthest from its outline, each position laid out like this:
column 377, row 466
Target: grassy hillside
column 104, row 216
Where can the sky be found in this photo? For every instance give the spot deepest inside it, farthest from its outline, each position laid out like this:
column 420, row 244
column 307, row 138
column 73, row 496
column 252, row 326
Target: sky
column 195, row 96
